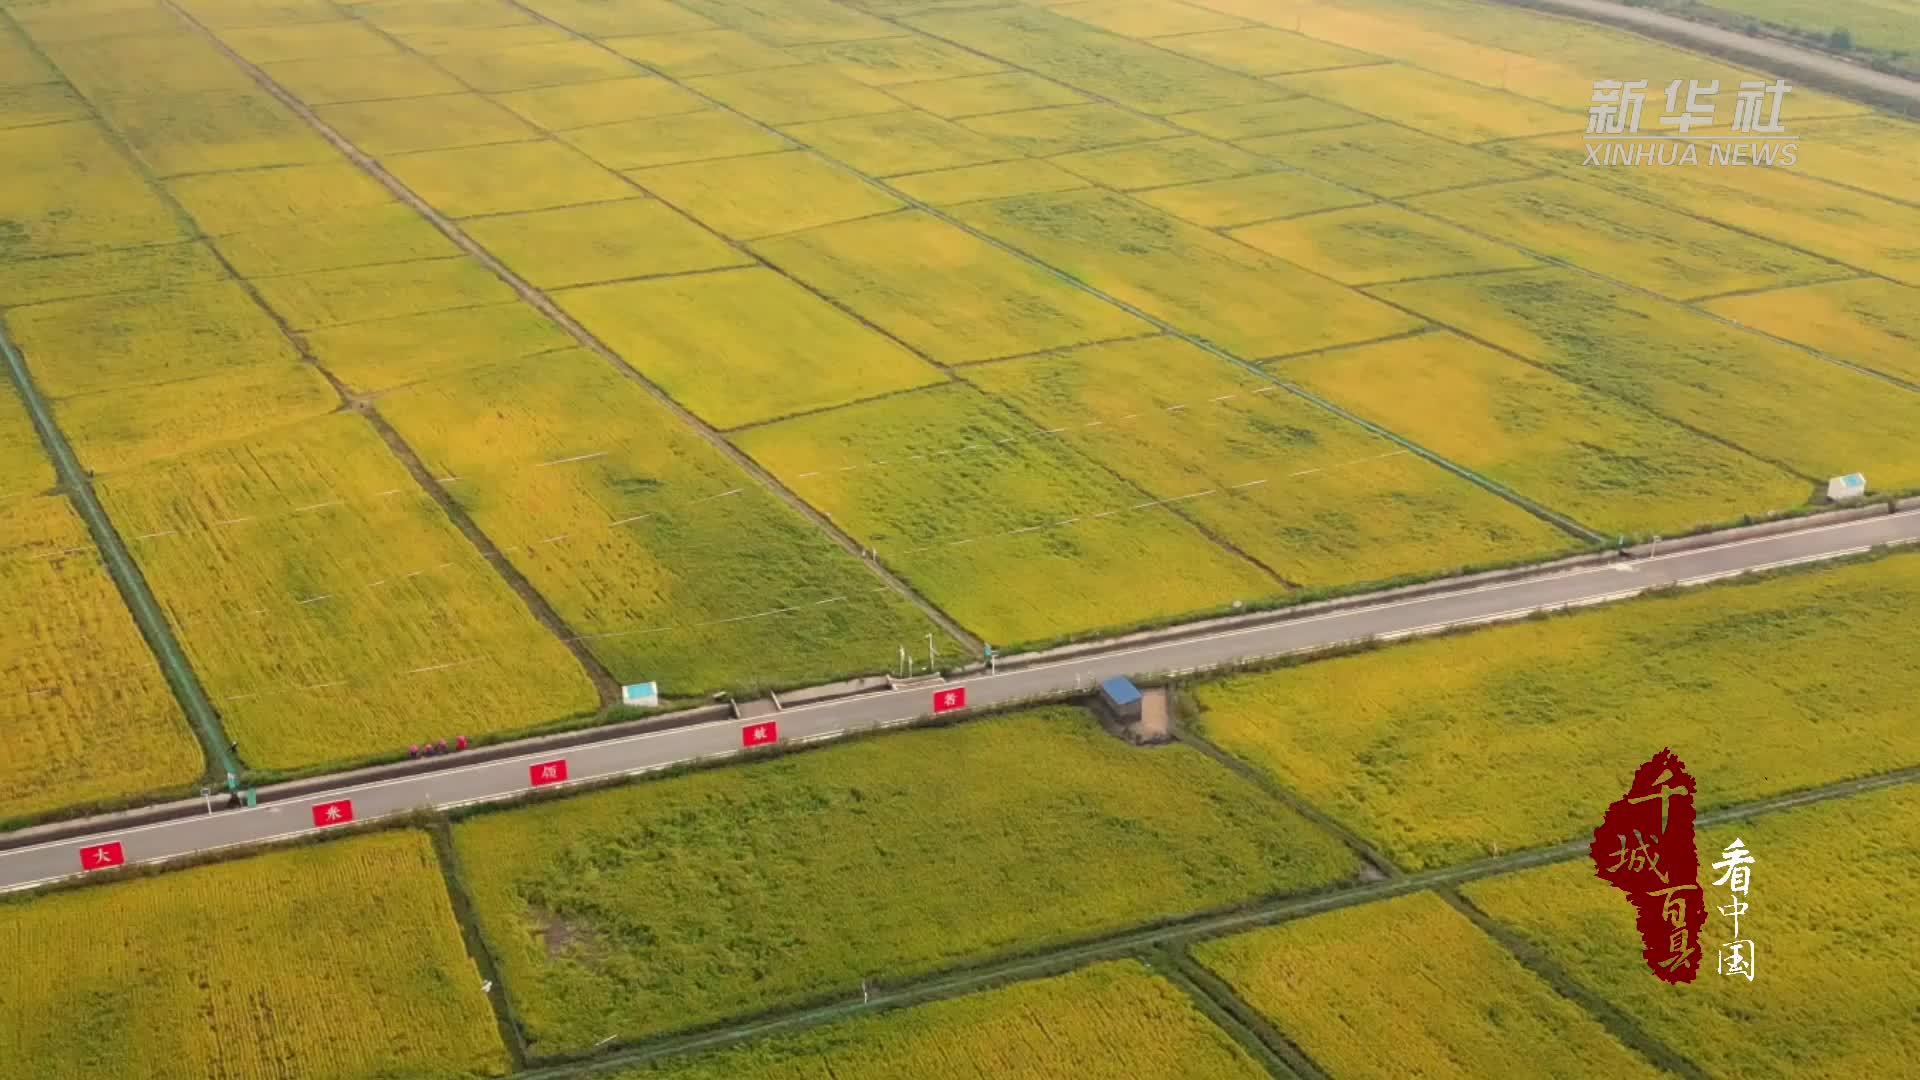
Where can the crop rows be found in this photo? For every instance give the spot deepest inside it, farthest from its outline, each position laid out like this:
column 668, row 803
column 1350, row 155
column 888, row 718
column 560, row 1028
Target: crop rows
column 801, row 240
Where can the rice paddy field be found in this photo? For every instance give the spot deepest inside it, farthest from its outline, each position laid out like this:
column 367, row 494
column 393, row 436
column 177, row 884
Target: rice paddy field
column 1016, row 298
column 1115, row 1021
column 86, row 702
column 1368, row 989
column 1614, row 467
column 330, row 608
column 666, row 560
column 1398, row 745
column 341, row 960
column 1829, row 904
column 416, row 345
column 677, row 903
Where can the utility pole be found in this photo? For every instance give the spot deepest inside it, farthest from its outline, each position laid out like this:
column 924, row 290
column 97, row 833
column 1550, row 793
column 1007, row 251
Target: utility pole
column 929, row 653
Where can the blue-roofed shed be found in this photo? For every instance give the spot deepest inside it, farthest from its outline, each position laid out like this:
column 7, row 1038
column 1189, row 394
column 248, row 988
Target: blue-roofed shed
column 1120, row 695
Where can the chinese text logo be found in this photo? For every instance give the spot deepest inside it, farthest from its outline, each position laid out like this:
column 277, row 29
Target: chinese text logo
column 1736, row 955
column 1645, row 848
column 1755, row 136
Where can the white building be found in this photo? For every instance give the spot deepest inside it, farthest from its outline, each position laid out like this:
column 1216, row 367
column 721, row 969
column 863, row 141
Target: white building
column 1850, row 486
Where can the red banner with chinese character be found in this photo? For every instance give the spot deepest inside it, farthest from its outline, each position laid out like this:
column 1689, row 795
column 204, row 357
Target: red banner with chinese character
column 949, row 700
column 548, row 772
column 765, row 734
column 1645, row 848
column 338, row 812
column 102, row 857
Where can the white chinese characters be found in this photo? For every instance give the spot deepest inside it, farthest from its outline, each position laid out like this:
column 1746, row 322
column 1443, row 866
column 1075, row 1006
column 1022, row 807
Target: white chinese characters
column 1747, row 105
column 1737, row 954
column 1689, row 115
column 1616, row 107
column 1698, row 111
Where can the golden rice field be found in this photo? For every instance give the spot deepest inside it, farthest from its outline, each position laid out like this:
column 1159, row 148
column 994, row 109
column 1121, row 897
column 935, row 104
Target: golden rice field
column 1131, row 74
column 945, row 292
column 1400, row 744
column 304, row 219
column 998, row 180
column 118, row 341
column 1245, row 122
column 506, row 178
column 747, row 198
column 1262, row 197
column 1065, row 129
column 386, row 291
column 1874, row 152
column 1795, row 409
column 136, row 269
column 383, row 353
column 896, row 143
column 1613, row 467
column 437, row 122
column 984, row 94
column 675, row 138
column 1189, row 159
column 1857, row 228
column 67, row 193
column 1208, row 286
column 1376, row 244
column 139, row 376
column 116, row 430
column 1673, row 254
column 1830, row 906
column 1367, row 990
column 1113, row 1021
column 1437, row 104
column 87, row 717
column 338, row 960
column 684, row 901
column 603, row 101
column 1317, row 500
column 1384, row 159
column 1869, row 322
column 745, row 346
column 24, row 466
column 847, row 233
column 667, row 559
column 330, row 608
column 793, row 94
column 1018, row 537
column 586, row 245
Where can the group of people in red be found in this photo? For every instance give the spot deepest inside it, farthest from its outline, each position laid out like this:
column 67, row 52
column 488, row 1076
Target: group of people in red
column 433, row 749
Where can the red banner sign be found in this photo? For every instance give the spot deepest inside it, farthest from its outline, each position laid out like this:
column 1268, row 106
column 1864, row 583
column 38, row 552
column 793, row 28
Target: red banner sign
column 338, row 812
column 547, row 772
column 102, row 857
column 1645, row 848
column 949, row 700
column 760, row 734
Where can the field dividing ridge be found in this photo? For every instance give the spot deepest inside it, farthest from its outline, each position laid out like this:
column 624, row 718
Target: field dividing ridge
column 546, row 305
column 78, row 486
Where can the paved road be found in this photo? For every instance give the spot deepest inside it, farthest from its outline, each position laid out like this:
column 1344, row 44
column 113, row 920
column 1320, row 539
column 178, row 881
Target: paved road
column 1761, row 51
column 635, row 754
